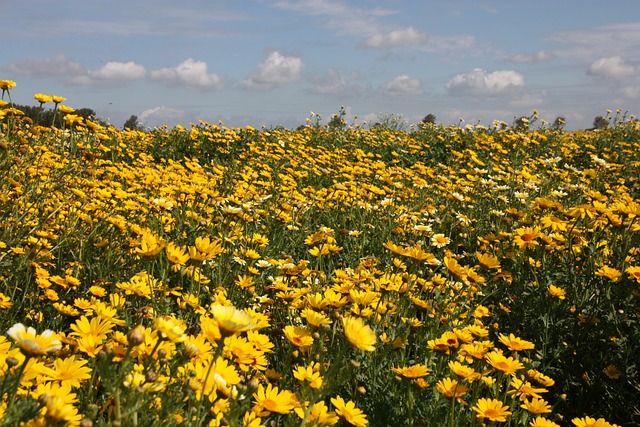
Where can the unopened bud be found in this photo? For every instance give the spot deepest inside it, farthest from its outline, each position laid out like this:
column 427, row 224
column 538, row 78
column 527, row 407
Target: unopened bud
column 151, row 377
column 12, row 361
column 253, row 384
column 136, row 335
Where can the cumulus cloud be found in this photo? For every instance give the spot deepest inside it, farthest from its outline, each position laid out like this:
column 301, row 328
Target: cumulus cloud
column 539, row 56
column 161, row 115
column 58, row 66
column 191, row 74
column 397, row 38
column 276, row 70
column 112, row 73
column 612, row 67
column 119, row 71
column 402, row 85
column 480, row 83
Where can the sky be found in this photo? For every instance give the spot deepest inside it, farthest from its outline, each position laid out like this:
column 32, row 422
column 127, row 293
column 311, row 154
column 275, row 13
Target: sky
column 268, row 63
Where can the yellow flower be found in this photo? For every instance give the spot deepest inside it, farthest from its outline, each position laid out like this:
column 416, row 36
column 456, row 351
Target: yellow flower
column 349, row 412
column 42, row 98
column 7, row 84
column 176, row 255
column 451, row 388
column 526, row 237
column 491, row 409
column 57, row 410
column 216, row 375
column 516, row 344
column 273, row 400
column 590, row 422
column 308, row 375
column 97, row 327
column 609, row 273
column 70, row 371
column 634, row 273
column 231, row 320
column 57, row 99
column 554, row 223
column 524, row 389
column 415, row 371
column 508, row 365
column 488, row 260
column 464, row 371
column 556, row 292
column 298, row 336
column 543, row 422
column 536, row 406
column 65, row 109
column 319, row 414
column 612, row 372
column 30, row 343
column 314, row 318
column 359, row 334
column 170, row 328
column 540, row 378
column 5, row 301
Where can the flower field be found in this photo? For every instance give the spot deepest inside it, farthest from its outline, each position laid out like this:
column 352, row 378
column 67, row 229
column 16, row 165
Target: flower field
column 208, row 276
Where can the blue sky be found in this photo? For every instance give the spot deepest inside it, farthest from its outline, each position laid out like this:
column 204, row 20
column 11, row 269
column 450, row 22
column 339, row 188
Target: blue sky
column 273, row 62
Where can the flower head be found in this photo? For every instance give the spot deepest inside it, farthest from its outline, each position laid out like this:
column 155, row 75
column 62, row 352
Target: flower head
column 491, row 409
column 7, row 84
column 231, row 320
column 30, row 343
column 271, row 399
column 349, row 412
column 516, row 344
column 359, row 334
column 451, row 388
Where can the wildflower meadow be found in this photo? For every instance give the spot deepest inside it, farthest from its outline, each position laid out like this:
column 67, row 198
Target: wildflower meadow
column 369, row 276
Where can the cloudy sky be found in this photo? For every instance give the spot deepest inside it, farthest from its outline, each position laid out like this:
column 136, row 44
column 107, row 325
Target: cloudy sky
column 273, row 62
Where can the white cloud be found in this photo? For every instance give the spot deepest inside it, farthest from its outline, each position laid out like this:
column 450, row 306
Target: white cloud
column 161, row 115
column 397, row 38
column 402, row 85
column 276, row 70
column 612, row 67
column 119, row 71
column 112, row 73
column 47, row 67
column 191, row 74
column 480, row 83
column 539, row 56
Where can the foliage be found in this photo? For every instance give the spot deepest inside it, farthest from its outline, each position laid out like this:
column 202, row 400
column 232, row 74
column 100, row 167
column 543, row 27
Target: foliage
column 212, row 276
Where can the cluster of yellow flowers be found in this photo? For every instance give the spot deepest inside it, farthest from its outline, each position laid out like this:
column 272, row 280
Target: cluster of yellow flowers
column 216, row 276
